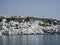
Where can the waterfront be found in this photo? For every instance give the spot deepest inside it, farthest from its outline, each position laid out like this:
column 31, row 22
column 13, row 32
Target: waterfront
column 28, row 27
column 30, row 40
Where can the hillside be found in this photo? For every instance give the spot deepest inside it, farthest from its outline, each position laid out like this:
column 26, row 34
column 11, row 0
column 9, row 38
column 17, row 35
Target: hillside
column 31, row 19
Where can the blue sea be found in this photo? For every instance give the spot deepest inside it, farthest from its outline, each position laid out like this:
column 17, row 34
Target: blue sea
column 30, row 40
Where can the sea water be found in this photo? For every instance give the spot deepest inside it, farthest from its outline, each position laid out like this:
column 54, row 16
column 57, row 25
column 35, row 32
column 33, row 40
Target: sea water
column 30, row 40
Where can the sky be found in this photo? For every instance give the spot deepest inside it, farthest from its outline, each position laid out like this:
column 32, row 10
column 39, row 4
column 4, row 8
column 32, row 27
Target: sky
column 35, row 8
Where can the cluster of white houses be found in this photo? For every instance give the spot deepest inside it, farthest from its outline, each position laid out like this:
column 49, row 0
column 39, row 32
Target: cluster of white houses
column 16, row 28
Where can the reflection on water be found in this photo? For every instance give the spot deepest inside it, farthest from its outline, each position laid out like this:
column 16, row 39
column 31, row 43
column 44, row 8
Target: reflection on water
column 30, row 40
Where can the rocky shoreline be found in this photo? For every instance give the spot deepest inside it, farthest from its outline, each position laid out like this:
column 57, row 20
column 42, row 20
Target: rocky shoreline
column 28, row 26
